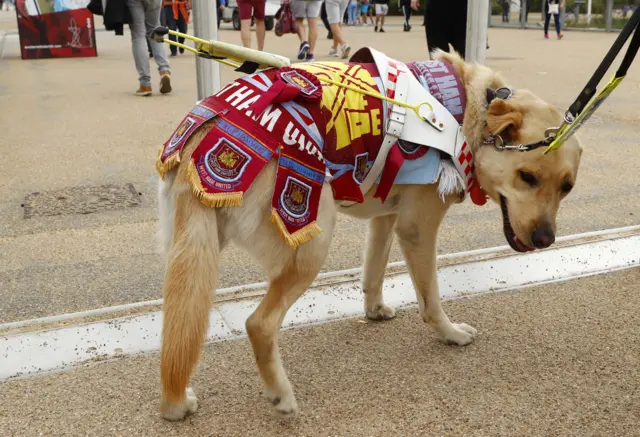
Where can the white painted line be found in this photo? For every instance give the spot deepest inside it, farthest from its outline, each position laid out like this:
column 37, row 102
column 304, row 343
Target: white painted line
column 322, row 276
column 36, row 352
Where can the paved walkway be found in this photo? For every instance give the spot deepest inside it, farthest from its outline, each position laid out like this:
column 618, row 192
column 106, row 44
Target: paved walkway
column 75, row 125
column 554, row 360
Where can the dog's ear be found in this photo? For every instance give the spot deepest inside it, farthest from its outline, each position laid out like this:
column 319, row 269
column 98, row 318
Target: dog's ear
column 504, row 115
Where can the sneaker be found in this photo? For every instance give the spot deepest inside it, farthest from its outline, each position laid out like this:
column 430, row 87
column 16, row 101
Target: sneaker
column 560, row 36
column 181, row 50
column 381, row 30
column 546, row 36
column 375, row 29
column 302, row 52
column 344, row 50
column 165, row 82
column 144, row 91
column 334, row 53
column 310, row 57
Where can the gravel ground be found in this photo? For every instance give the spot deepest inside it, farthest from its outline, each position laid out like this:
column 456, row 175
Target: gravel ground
column 554, row 360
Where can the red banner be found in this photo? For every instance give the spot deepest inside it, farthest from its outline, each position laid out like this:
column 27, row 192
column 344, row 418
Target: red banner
column 66, row 34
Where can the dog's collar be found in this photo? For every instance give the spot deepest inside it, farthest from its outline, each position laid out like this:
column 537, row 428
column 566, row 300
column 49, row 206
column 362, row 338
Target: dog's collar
column 496, row 140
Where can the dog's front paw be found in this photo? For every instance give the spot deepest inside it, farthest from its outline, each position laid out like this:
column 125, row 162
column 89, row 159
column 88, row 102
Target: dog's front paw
column 459, row 334
column 285, row 405
column 178, row 411
column 380, row 312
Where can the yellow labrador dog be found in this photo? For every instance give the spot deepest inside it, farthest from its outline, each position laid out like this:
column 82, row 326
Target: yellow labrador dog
column 528, row 185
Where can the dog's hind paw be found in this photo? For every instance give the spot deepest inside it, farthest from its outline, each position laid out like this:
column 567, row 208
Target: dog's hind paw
column 381, row 312
column 178, row 411
column 460, row 334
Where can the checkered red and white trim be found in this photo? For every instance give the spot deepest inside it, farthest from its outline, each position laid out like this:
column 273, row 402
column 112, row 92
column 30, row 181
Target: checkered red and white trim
column 465, row 158
column 392, row 78
column 464, row 163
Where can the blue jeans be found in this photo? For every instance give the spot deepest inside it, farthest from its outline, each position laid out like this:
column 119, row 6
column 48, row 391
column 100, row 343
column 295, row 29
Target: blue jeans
column 351, row 10
column 547, row 19
column 145, row 16
column 180, row 25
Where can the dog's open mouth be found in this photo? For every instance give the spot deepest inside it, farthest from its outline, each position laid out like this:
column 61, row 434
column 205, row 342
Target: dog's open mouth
column 509, row 233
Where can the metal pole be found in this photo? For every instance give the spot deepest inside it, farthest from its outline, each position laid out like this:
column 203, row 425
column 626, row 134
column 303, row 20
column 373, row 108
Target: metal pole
column 608, row 13
column 523, row 13
column 205, row 26
column 588, row 11
column 489, row 10
column 476, row 44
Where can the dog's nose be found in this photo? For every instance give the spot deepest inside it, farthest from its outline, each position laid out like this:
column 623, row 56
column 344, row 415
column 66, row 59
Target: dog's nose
column 542, row 237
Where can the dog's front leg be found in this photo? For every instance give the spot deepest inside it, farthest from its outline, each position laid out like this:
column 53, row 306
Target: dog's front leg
column 379, row 239
column 417, row 231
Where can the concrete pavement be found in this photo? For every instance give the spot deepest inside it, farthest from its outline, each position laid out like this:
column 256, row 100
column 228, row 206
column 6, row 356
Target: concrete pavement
column 553, row 360
column 75, row 124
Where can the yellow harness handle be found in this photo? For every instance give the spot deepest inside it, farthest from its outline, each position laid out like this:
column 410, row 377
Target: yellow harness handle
column 205, row 53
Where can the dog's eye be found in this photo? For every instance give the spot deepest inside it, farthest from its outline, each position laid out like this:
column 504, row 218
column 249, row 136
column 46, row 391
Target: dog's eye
column 566, row 187
column 528, row 178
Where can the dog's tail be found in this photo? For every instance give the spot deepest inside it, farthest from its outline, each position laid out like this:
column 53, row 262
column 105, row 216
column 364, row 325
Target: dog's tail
column 189, row 286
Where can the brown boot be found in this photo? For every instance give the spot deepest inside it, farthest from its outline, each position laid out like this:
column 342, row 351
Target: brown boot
column 165, row 82
column 144, row 91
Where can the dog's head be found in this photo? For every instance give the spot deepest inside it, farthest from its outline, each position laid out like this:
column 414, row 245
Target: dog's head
column 528, row 185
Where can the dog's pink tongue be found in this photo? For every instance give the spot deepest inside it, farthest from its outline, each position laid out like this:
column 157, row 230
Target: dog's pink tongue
column 523, row 246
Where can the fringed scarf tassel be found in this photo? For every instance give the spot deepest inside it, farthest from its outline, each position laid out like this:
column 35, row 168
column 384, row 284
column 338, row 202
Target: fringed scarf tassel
column 215, row 200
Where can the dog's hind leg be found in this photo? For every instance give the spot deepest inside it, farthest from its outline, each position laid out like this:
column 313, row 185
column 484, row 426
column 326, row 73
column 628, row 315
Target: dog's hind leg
column 379, row 239
column 189, row 287
column 417, row 231
column 289, row 278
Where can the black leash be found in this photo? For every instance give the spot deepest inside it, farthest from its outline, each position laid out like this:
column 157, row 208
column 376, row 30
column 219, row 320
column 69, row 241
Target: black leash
column 590, row 89
column 585, row 105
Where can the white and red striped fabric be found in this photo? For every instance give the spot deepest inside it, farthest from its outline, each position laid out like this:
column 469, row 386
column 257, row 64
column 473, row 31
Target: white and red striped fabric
column 466, row 168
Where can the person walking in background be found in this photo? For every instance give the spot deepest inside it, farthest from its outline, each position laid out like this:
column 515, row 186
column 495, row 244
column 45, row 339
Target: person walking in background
column 405, row 5
column 176, row 14
column 372, row 11
column 221, row 5
column 363, row 12
column 335, row 12
column 382, row 9
column 552, row 7
column 445, row 22
column 309, row 9
column 252, row 9
column 351, row 11
column 506, row 10
column 325, row 20
column 145, row 17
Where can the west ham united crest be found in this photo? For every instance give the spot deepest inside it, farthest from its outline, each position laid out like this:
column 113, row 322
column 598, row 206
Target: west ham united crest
column 225, row 161
column 297, row 79
column 180, row 134
column 360, row 167
column 295, row 197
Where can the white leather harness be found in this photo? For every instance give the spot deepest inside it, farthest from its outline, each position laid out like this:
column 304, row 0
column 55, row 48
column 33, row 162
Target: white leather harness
column 441, row 131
